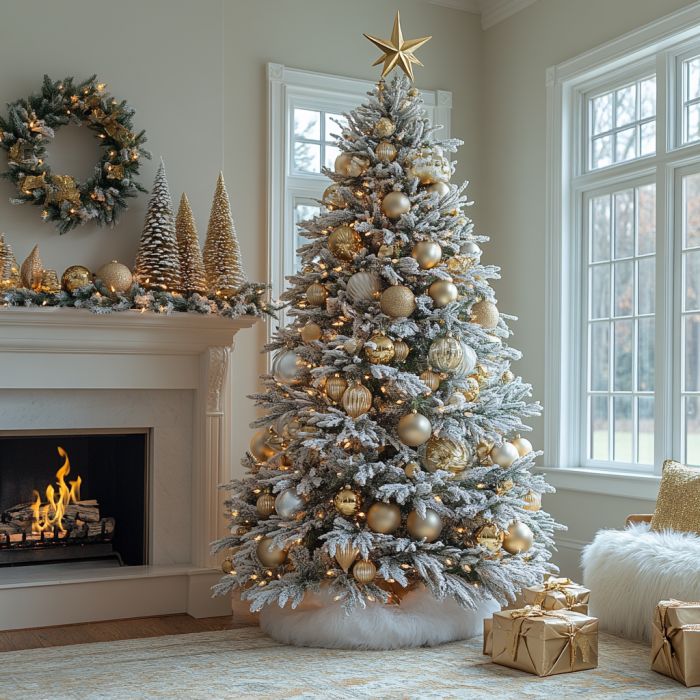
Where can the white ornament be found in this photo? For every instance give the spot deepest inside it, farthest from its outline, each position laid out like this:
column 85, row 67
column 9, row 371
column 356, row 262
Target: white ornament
column 504, row 455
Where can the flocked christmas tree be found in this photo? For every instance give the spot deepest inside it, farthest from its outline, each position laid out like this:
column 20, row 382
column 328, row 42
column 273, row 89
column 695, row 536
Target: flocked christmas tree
column 390, row 454
column 222, row 253
column 9, row 269
column 157, row 260
column 191, row 264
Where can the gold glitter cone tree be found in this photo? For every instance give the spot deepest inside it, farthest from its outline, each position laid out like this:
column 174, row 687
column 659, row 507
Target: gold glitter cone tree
column 194, row 278
column 9, row 269
column 222, row 253
column 158, row 260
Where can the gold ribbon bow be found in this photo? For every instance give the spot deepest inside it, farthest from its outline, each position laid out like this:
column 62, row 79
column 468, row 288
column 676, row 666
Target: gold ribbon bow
column 561, row 586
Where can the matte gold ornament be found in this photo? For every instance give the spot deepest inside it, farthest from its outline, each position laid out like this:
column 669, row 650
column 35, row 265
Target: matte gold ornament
column 260, row 446
column 443, row 292
column 385, row 151
column 347, row 502
column 357, row 399
column 395, row 204
column 344, row 242
column 490, row 537
column 397, row 301
column 467, row 363
column 310, row 332
column 445, row 353
column 265, row 505
column 522, row 445
column 431, row 379
column 414, row 429
column 286, row 367
column 384, row 517
column 364, row 286
column 518, row 538
column 427, row 253
column 75, row 277
column 49, row 282
column 227, row 566
column 504, row 455
column 384, row 127
column 32, row 270
column 507, row 376
column 411, row 469
column 383, row 352
column 269, row 554
column 351, row 165
column 364, row 571
column 345, row 555
column 333, row 198
column 485, row 313
column 335, row 387
column 288, row 503
column 116, row 277
column 428, row 527
column 442, row 188
column 533, row 501
column 316, row 294
column 471, row 390
column 446, row 454
column 429, row 165
column 401, row 350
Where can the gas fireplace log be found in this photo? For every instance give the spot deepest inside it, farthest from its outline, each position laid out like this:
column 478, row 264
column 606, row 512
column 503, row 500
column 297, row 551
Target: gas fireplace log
column 87, row 511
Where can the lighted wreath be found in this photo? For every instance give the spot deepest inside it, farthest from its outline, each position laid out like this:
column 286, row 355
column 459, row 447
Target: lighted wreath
column 28, row 130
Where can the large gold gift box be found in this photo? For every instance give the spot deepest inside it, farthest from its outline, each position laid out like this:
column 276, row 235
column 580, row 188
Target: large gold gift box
column 558, row 594
column 675, row 641
column 545, row 642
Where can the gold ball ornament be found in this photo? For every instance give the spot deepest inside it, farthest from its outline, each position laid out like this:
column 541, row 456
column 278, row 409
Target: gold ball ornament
column 431, row 379
column 518, row 538
column 269, row 554
column 443, row 292
column 442, row 188
column 383, row 351
column 116, row 277
column 286, row 366
column 427, row 253
column 490, row 537
column 429, row 165
column 446, row 454
column 333, row 198
column 401, row 350
column 504, row 455
column 384, row 517
column 335, row 387
column 345, row 555
column 227, row 566
column 395, row 204
column 414, row 429
column 357, row 399
column 311, row 332
column 485, row 313
column 411, row 469
column 384, row 127
column 260, row 446
column 288, row 503
column 347, row 502
column 428, row 527
column 344, row 242
column 364, row 286
column 265, row 505
column 522, row 445
column 316, row 294
column 533, row 501
column 385, row 151
column 364, row 571
column 471, row 390
column 397, row 301
column 445, row 353
column 75, row 277
column 351, row 165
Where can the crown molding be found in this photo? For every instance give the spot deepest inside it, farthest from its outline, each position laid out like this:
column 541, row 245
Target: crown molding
column 473, row 6
column 495, row 11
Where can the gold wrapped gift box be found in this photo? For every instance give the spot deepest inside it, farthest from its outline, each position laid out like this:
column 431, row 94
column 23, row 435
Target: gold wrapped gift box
column 545, row 642
column 675, row 641
column 558, row 594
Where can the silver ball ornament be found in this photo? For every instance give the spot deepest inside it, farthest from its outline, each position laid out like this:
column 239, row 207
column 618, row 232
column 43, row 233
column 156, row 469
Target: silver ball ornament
column 288, row 503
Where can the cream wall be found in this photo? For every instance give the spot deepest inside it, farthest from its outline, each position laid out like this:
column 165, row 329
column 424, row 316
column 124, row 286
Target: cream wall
column 516, row 54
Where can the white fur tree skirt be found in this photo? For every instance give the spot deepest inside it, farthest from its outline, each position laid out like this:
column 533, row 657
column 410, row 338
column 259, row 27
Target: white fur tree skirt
column 420, row 620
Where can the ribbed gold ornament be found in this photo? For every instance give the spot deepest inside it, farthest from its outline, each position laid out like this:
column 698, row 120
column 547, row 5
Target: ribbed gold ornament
column 401, row 350
column 428, row 527
column 265, row 505
column 364, row 286
column 518, row 538
column 450, row 455
column 385, row 151
column 311, row 332
column 384, row 517
column 364, row 571
column 397, row 301
column 383, row 352
column 347, row 501
column 445, row 353
column 344, row 242
column 490, row 537
column 116, row 277
column 333, row 198
column 533, row 501
column 395, row 204
column 345, row 555
column 316, row 294
column 443, row 292
column 414, row 429
column 357, row 399
column 485, row 313
column 335, row 387
column 431, row 379
column 269, row 554
column 427, row 253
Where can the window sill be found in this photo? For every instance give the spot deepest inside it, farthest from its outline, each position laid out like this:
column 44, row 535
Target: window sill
column 608, row 483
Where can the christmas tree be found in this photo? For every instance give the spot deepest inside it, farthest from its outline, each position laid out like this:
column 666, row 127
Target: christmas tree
column 191, row 264
column 222, row 254
column 390, row 456
column 157, row 260
column 9, row 269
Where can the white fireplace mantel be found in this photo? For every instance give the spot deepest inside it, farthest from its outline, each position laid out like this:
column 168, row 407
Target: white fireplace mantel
column 64, row 350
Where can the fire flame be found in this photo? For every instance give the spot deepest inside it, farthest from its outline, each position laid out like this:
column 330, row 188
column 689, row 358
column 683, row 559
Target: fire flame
column 48, row 517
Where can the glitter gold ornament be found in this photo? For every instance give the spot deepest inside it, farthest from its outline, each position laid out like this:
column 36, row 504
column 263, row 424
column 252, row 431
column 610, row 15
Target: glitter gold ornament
column 384, row 517
column 265, row 505
column 384, row 127
column 364, row 286
column 533, row 501
column 316, row 294
column 116, row 277
column 504, row 455
column 485, row 313
column 345, row 555
column 429, row 165
column 286, row 366
column 347, row 501
column 310, row 332
column 75, row 277
column 32, row 270
column 427, row 253
column 344, row 242
column 269, row 554
column 518, row 538
column 471, row 390
column 260, row 446
column 351, row 165
column 522, row 445
column 335, row 387
column 385, row 151
column 397, row 301
column 446, row 454
column 431, row 379
column 445, row 353
column 364, row 571
column 357, row 399
column 426, row 527
column 414, row 429
column 401, row 350
column 383, row 351
column 442, row 292
column 490, row 537
column 227, row 566
column 395, row 204
column 442, row 188
column 411, row 469
column 288, row 503
column 333, row 198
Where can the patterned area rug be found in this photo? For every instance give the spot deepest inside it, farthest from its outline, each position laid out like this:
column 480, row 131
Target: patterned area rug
column 244, row 663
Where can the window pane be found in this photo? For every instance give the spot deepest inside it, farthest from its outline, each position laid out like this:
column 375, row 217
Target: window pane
column 692, row 122
column 648, row 139
column 692, row 79
column 331, row 127
column 599, row 356
column 331, row 154
column 602, row 151
column 307, row 157
column 646, row 285
column 626, row 111
column 303, row 212
column 602, row 113
column 307, row 124
column 647, row 90
column 646, row 221
column 600, row 292
column 624, row 288
column 691, row 207
column 622, row 435
column 626, row 145
column 691, row 264
column 624, row 356
column 645, row 430
column 692, row 430
column 624, row 224
column 645, row 359
column 599, row 428
column 600, row 228
column 692, row 353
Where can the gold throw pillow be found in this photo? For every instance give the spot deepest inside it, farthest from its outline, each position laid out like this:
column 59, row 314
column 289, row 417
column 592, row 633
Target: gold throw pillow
column 678, row 504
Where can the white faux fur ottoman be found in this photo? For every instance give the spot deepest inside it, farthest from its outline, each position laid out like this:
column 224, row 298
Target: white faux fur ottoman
column 629, row 571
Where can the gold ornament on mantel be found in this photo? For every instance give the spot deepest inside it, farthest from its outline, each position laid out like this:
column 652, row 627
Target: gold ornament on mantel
column 364, row 571
column 490, row 537
column 345, row 555
column 49, row 282
column 383, row 352
column 344, row 242
column 116, row 277
column 32, row 270
column 347, row 501
column 357, row 399
column 75, row 277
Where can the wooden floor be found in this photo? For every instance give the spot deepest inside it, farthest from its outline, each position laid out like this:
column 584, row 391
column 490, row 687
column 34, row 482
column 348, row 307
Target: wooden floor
column 38, row 637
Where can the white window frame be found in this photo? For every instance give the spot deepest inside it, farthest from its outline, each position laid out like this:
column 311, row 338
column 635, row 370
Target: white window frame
column 290, row 87
column 662, row 45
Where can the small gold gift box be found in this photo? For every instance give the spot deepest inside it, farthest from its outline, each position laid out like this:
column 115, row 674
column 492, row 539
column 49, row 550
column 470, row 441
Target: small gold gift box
column 545, row 642
column 558, row 594
column 675, row 641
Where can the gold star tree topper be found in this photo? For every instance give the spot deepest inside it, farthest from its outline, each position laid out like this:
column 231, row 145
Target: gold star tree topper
column 397, row 52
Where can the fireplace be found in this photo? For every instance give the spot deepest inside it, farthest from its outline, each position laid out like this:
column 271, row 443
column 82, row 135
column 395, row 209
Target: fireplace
column 73, row 497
